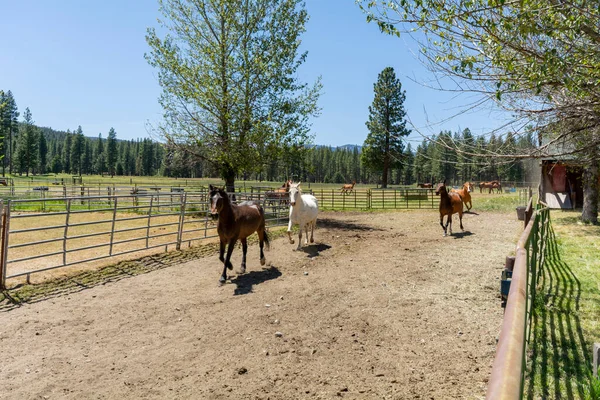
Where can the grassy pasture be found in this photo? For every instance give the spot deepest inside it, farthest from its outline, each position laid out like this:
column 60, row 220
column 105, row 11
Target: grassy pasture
column 567, row 313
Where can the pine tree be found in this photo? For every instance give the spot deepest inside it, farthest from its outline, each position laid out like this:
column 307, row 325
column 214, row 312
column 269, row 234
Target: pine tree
column 382, row 150
column 99, row 157
column 111, row 152
column 27, row 146
column 43, row 153
column 77, row 148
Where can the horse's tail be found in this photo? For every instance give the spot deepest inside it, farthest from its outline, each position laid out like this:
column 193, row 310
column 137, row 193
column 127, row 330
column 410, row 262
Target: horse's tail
column 266, row 239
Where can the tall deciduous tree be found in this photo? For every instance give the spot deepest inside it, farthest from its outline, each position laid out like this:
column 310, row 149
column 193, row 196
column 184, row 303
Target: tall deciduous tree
column 383, row 147
column 228, row 69
column 538, row 59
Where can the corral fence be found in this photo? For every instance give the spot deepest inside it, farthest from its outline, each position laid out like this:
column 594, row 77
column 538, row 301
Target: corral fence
column 364, row 199
column 39, row 235
column 58, row 229
column 508, row 371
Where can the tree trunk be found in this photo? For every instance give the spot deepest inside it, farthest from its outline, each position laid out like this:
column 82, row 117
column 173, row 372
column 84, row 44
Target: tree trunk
column 229, row 177
column 590, row 192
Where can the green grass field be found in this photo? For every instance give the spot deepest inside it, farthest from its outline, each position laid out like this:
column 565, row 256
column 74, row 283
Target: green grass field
column 567, row 314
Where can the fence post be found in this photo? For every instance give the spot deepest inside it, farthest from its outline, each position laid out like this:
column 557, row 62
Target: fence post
column 181, row 221
column 5, row 231
column 66, row 233
column 149, row 217
column 112, row 229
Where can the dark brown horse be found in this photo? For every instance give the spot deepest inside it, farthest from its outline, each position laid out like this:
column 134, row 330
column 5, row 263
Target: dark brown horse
column 491, row 186
column 450, row 203
column 237, row 222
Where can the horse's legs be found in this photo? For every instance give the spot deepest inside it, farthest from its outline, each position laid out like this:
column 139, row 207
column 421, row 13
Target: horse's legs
column 312, row 230
column 227, row 263
column 244, row 250
column 460, row 219
column 261, row 241
column 306, row 230
column 442, row 223
column 449, row 223
column 222, row 249
column 299, row 237
column 289, row 232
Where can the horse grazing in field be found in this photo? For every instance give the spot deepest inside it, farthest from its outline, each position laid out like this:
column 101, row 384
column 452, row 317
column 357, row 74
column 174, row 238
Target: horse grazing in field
column 348, row 187
column 425, row 185
column 490, row 185
column 465, row 195
column 237, row 222
column 278, row 196
column 450, row 203
column 303, row 211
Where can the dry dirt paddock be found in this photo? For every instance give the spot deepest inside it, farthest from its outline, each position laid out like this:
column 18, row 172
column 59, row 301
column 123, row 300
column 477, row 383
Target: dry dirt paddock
column 382, row 306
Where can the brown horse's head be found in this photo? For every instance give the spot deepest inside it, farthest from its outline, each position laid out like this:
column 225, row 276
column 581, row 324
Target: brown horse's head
column 218, row 197
column 441, row 188
column 468, row 186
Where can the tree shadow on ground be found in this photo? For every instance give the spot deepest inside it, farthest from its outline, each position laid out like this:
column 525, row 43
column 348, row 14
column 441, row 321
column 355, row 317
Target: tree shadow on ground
column 345, row 225
column 246, row 282
column 561, row 358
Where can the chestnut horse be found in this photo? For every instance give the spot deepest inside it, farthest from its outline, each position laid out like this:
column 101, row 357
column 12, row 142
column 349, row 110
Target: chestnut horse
column 278, row 196
column 348, row 187
column 237, row 222
column 464, row 193
column 450, row 203
column 491, row 186
column 425, row 185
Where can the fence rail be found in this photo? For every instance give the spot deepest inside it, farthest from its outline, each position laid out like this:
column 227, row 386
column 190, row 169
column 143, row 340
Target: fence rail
column 508, row 371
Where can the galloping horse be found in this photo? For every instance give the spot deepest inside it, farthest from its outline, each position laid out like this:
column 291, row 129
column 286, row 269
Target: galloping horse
column 237, row 222
column 464, row 193
column 425, row 185
column 303, row 211
column 450, row 203
column 348, row 187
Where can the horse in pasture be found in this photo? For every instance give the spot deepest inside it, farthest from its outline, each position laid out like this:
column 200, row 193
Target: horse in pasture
column 465, row 195
column 490, row 185
column 348, row 187
column 278, row 196
column 425, row 185
column 303, row 211
column 237, row 222
column 450, row 203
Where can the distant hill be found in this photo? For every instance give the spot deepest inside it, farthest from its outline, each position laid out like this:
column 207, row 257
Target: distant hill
column 350, row 147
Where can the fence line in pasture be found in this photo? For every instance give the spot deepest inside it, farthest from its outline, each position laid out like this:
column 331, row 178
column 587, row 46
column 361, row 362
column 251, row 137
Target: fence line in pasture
column 62, row 232
column 508, row 371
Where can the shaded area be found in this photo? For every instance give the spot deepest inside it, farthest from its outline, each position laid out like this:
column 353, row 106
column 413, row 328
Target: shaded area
column 460, row 235
column 346, row 225
column 561, row 358
column 313, row 250
column 245, row 282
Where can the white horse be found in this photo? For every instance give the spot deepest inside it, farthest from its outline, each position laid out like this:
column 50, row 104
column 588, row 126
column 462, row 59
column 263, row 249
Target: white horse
column 303, row 211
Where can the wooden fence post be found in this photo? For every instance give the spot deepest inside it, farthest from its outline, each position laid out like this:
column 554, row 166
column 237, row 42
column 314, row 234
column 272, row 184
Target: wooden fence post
column 4, row 241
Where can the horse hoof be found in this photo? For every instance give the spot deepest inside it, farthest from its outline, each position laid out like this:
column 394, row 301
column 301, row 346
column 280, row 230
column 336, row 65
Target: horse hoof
column 243, row 270
column 312, row 240
column 263, row 261
column 229, row 265
column 222, row 281
column 291, row 241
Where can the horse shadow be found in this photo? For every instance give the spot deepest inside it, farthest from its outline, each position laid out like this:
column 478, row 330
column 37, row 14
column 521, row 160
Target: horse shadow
column 460, row 235
column 470, row 212
column 245, row 282
column 314, row 249
column 344, row 225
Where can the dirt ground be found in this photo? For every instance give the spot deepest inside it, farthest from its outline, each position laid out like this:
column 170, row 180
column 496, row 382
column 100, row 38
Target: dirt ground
column 382, row 306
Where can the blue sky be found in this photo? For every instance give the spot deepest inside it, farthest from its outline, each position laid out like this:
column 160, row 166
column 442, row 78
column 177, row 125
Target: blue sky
column 82, row 63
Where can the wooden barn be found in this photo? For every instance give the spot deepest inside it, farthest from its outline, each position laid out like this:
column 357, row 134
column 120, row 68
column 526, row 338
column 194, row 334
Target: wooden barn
column 561, row 184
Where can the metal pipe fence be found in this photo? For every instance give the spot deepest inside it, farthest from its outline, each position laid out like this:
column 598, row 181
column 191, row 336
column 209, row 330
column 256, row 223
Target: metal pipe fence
column 508, row 371
column 40, row 235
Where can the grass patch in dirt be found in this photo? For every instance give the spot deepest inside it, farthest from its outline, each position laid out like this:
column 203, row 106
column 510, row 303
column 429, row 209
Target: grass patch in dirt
column 566, row 321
